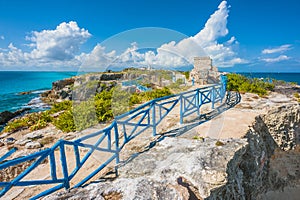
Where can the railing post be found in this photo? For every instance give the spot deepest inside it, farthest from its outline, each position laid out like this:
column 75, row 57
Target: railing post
column 153, row 118
column 64, row 165
column 197, row 102
column 213, row 98
column 52, row 166
column 181, row 109
column 117, row 141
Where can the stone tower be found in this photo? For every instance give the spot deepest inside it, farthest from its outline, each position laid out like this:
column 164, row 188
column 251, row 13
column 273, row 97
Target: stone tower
column 203, row 71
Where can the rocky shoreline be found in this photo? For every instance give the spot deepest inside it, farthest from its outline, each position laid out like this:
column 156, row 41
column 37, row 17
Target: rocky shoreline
column 247, row 163
column 6, row 116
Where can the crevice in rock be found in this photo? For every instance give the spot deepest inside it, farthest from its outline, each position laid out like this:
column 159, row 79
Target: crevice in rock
column 193, row 191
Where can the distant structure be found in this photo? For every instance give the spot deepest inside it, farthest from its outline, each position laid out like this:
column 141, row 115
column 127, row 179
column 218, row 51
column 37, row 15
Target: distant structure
column 203, row 71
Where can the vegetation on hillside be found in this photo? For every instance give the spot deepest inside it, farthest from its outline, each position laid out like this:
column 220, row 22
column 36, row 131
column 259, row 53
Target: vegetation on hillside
column 237, row 82
column 78, row 116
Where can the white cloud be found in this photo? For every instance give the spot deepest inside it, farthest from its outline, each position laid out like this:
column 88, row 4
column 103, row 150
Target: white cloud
column 175, row 54
column 277, row 59
column 206, row 41
column 281, row 49
column 59, row 44
column 96, row 59
column 61, row 47
column 50, row 47
column 2, row 37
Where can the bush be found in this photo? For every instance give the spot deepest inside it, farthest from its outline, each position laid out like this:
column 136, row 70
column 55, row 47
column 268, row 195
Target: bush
column 79, row 116
column 65, row 122
column 64, row 105
column 237, row 82
column 84, row 115
column 102, row 104
column 33, row 121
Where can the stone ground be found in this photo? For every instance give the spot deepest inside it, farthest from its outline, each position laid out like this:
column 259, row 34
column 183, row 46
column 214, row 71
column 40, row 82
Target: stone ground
column 232, row 123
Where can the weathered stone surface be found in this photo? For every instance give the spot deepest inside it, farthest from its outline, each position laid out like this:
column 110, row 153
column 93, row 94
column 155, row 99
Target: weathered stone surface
column 139, row 188
column 283, row 124
column 60, row 84
column 34, row 135
column 22, row 142
column 178, row 168
column 9, row 140
column 33, row 145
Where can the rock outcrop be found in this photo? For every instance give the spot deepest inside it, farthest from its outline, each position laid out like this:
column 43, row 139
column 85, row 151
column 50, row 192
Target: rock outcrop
column 284, row 125
column 179, row 168
column 5, row 116
column 81, row 86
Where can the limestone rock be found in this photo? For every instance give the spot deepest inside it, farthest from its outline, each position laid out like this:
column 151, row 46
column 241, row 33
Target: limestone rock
column 283, row 124
column 22, row 142
column 34, row 135
column 33, row 145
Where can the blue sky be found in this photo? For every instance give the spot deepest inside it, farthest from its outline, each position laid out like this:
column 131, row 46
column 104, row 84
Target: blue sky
column 67, row 35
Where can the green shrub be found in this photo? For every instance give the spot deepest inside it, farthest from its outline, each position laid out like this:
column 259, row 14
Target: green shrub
column 15, row 125
column 102, row 102
column 65, row 122
column 33, row 121
column 237, row 82
column 64, row 105
column 79, row 116
column 84, row 115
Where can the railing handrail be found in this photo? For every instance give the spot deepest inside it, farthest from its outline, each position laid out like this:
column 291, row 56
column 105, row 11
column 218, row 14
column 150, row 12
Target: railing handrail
column 152, row 111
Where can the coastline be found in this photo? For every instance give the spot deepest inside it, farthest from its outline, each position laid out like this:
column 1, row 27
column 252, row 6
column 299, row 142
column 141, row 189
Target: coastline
column 238, row 119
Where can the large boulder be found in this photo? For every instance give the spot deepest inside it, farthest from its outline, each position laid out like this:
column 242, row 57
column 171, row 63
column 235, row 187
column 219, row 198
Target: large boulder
column 5, row 116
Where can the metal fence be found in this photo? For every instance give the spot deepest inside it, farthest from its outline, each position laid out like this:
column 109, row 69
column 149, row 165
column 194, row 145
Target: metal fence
column 126, row 126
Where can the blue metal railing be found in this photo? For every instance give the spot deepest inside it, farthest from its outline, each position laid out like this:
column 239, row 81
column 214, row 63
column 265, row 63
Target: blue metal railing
column 126, row 126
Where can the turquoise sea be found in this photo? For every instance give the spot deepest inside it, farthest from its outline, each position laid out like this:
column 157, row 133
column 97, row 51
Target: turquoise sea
column 289, row 77
column 14, row 82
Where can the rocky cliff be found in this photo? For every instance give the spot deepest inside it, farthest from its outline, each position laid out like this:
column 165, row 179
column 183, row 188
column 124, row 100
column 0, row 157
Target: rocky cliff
column 81, row 86
column 265, row 160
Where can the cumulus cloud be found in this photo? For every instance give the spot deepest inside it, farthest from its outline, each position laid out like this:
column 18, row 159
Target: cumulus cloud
column 97, row 59
column 59, row 44
column 279, row 49
column 206, row 42
column 49, row 47
column 61, row 47
column 277, row 59
column 176, row 54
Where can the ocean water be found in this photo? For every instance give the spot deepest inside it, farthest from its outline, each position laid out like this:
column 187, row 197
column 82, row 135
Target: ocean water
column 288, row 77
column 14, row 82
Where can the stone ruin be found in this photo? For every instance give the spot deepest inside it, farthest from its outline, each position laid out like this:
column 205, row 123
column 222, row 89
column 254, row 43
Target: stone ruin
column 203, row 71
